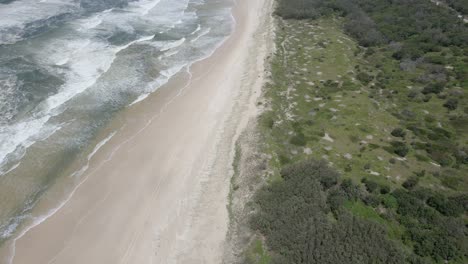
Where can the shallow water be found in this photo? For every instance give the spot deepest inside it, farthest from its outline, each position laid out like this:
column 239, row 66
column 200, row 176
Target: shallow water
column 68, row 66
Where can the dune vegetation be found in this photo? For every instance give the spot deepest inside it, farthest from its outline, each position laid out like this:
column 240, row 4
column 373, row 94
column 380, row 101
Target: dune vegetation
column 366, row 127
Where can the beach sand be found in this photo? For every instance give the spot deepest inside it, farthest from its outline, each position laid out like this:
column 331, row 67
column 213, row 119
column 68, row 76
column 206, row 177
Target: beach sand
column 157, row 192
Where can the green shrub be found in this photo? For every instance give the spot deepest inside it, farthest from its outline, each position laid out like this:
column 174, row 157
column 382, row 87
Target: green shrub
column 328, row 180
column 352, row 190
column 411, row 182
column 421, row 157
column 371, row 200
column 436, row 59
column 364, row 78
column 398, row 132
column 266, row 120
column 283, row 159
column 399, row 148
column 389, row 201
column 435, row 88
column 445, row 206
column 371, row 186
column 451, row 104
column 299, row 140
column 336, row 199
column 384, row 189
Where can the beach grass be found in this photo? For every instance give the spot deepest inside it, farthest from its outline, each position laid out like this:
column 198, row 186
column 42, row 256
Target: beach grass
column 319, row 108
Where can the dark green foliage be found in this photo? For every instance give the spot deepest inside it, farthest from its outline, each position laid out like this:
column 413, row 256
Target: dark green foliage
column 461, row 154
column 266, row 120
column 364, row 78
column 461, row 200
column 371, row 186
column 389, row 201
column 300, row 9
column 407, row 204
column 445, row 206
column 421, row 173
column 351, row 190
column 435, row 59
column 292, row 216
column 299, row 140
column 328, row 180
column 434, row 88
column 451, row 104
column 399, row 148
column 283, row 159
column 367, row 166
column 371, row 200
column 437, row 133
column 459, row 5
column 411, row 182
column 384, row 189
column 336, row 198
column 360, row 26
column 433, row 235
column 398, row 132
column 441, row 152
column 452, row 179
column 303, row 217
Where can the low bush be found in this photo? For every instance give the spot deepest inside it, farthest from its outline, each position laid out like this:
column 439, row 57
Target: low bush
column 398, row 132
column 399, row 148
column 451, row 104
column 411, row 182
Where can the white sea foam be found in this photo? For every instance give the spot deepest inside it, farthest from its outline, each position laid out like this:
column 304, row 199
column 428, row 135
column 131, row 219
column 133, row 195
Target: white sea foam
column 166, row 75
column 170, row 53
column 41, row 218
column 90, row 23
column 86, row 65
column 8, row 101
column 100, row 145
column 204, row 33
column 19, row 135
column 12, row 226
column 172, row 71
column 15, row 140
column 91, row 155
column 143, row 6
column 83, row 58
column 18, row 14
column 83, row 55
column 172, row 45
column 139, row 99
column 10, row 169
column 196, row 30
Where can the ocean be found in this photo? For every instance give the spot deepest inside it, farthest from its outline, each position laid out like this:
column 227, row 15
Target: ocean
column 67, row 67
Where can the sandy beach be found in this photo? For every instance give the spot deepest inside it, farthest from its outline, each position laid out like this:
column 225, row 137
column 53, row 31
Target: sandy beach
column 157, row 191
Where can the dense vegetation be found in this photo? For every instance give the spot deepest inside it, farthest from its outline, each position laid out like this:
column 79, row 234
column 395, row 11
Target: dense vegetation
column 297, row 216
column 421, row 26
column 459, row 5
column 304, row 220
column 390, row 116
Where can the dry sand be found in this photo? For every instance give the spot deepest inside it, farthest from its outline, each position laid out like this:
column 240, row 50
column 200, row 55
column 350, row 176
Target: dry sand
column 157, row 191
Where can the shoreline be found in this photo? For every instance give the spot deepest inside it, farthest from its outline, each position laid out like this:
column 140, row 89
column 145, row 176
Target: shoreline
column 177, row 155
